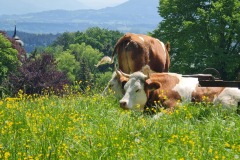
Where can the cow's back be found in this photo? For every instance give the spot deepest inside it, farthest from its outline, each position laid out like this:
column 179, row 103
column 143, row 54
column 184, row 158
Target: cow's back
column 207, row 94
column 132, row 55
column 159, row 59
column 137, row 50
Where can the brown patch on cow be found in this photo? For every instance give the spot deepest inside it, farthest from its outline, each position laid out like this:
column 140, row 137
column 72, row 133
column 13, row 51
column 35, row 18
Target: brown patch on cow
column 164, row 95
column 206, row 94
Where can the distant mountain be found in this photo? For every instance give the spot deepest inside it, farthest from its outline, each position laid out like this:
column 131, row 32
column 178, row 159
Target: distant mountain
column 131, row 16
column 21, row 6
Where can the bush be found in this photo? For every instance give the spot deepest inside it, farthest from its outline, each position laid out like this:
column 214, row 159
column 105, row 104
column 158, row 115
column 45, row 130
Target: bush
column 36, row 75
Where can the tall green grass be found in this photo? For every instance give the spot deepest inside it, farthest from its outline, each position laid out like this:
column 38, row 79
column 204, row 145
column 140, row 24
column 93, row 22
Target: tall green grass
column 94, row 127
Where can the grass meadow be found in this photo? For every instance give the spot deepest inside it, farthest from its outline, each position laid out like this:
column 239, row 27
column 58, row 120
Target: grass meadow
column 89, row 126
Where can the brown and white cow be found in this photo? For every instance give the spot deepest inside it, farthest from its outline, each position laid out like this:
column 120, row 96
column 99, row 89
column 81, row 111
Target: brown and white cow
column 168, row 89
column 137, row 50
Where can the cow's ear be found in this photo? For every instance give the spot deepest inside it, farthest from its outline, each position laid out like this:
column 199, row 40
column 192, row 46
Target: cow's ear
column 152, row 85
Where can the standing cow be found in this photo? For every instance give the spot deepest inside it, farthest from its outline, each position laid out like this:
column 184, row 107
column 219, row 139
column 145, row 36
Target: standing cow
column 168, row 89
column 137, row 50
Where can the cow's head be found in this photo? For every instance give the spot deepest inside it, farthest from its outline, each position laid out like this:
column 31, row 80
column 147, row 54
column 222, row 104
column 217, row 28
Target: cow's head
column 137, row 90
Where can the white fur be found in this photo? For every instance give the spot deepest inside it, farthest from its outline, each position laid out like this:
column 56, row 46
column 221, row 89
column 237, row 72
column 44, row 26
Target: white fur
column 229, row 98
column 141, row 38
column 186, row 87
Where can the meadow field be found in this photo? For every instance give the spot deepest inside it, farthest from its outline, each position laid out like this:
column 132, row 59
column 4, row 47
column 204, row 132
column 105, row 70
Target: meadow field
column 89, row 126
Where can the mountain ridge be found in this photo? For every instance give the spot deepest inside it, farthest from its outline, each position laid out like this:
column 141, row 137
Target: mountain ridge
column 131, row 16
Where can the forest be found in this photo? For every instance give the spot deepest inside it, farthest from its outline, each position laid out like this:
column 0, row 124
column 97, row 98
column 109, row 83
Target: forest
column 202, row 34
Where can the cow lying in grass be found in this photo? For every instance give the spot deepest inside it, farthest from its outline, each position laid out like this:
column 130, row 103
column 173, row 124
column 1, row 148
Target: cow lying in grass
column 115, row 83
column 168, row 89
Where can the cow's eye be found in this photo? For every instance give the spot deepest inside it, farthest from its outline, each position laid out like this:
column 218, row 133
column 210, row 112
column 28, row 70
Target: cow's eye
column 137, row 90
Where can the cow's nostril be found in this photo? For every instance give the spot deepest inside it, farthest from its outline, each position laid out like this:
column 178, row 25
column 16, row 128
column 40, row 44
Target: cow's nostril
column 123, row 105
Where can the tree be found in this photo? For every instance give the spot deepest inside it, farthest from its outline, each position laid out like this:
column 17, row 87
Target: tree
column 203, row 33
column 8, row 57
column 85, row 76
column 87, row 57
column 37, row 74
column 85, row 52
column 64, row 40
column 102, row 39
column 67, row 63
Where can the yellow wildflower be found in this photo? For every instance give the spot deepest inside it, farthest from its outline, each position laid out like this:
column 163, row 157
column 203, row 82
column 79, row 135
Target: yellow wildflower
column 6, row 155
column 227, row 145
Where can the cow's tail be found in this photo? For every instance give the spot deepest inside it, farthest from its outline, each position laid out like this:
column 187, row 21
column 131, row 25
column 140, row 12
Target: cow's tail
column 127, row 36
column 167, row 65
column 167, row 46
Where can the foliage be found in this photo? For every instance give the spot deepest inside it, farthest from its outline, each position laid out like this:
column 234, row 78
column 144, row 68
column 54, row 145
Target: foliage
column 94, row 127
column 102, row 39
column 87, row 53
column 65, row 40
column 74, row 58
column 88, row 48
column 8, row 57
column 202, row 34
column 67, row 63
column 55, row 51
column 102, row 79
column 37, row 74
column 87, row 58
column 78, row 62
column 85, row 76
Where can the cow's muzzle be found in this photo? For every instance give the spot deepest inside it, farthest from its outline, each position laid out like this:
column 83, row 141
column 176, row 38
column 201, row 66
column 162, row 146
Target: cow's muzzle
column 123, row 105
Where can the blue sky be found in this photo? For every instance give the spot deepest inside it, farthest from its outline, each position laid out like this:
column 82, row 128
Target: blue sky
column 27, row 6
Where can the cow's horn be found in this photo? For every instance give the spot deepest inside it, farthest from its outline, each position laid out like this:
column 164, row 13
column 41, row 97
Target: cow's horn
column 118, row 73
column 125, row 74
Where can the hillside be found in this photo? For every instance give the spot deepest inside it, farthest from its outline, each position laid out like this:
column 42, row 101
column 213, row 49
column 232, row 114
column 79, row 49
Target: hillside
column 131, row 16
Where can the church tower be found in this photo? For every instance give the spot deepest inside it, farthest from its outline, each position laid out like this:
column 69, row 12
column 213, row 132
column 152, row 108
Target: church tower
column 16, row 38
